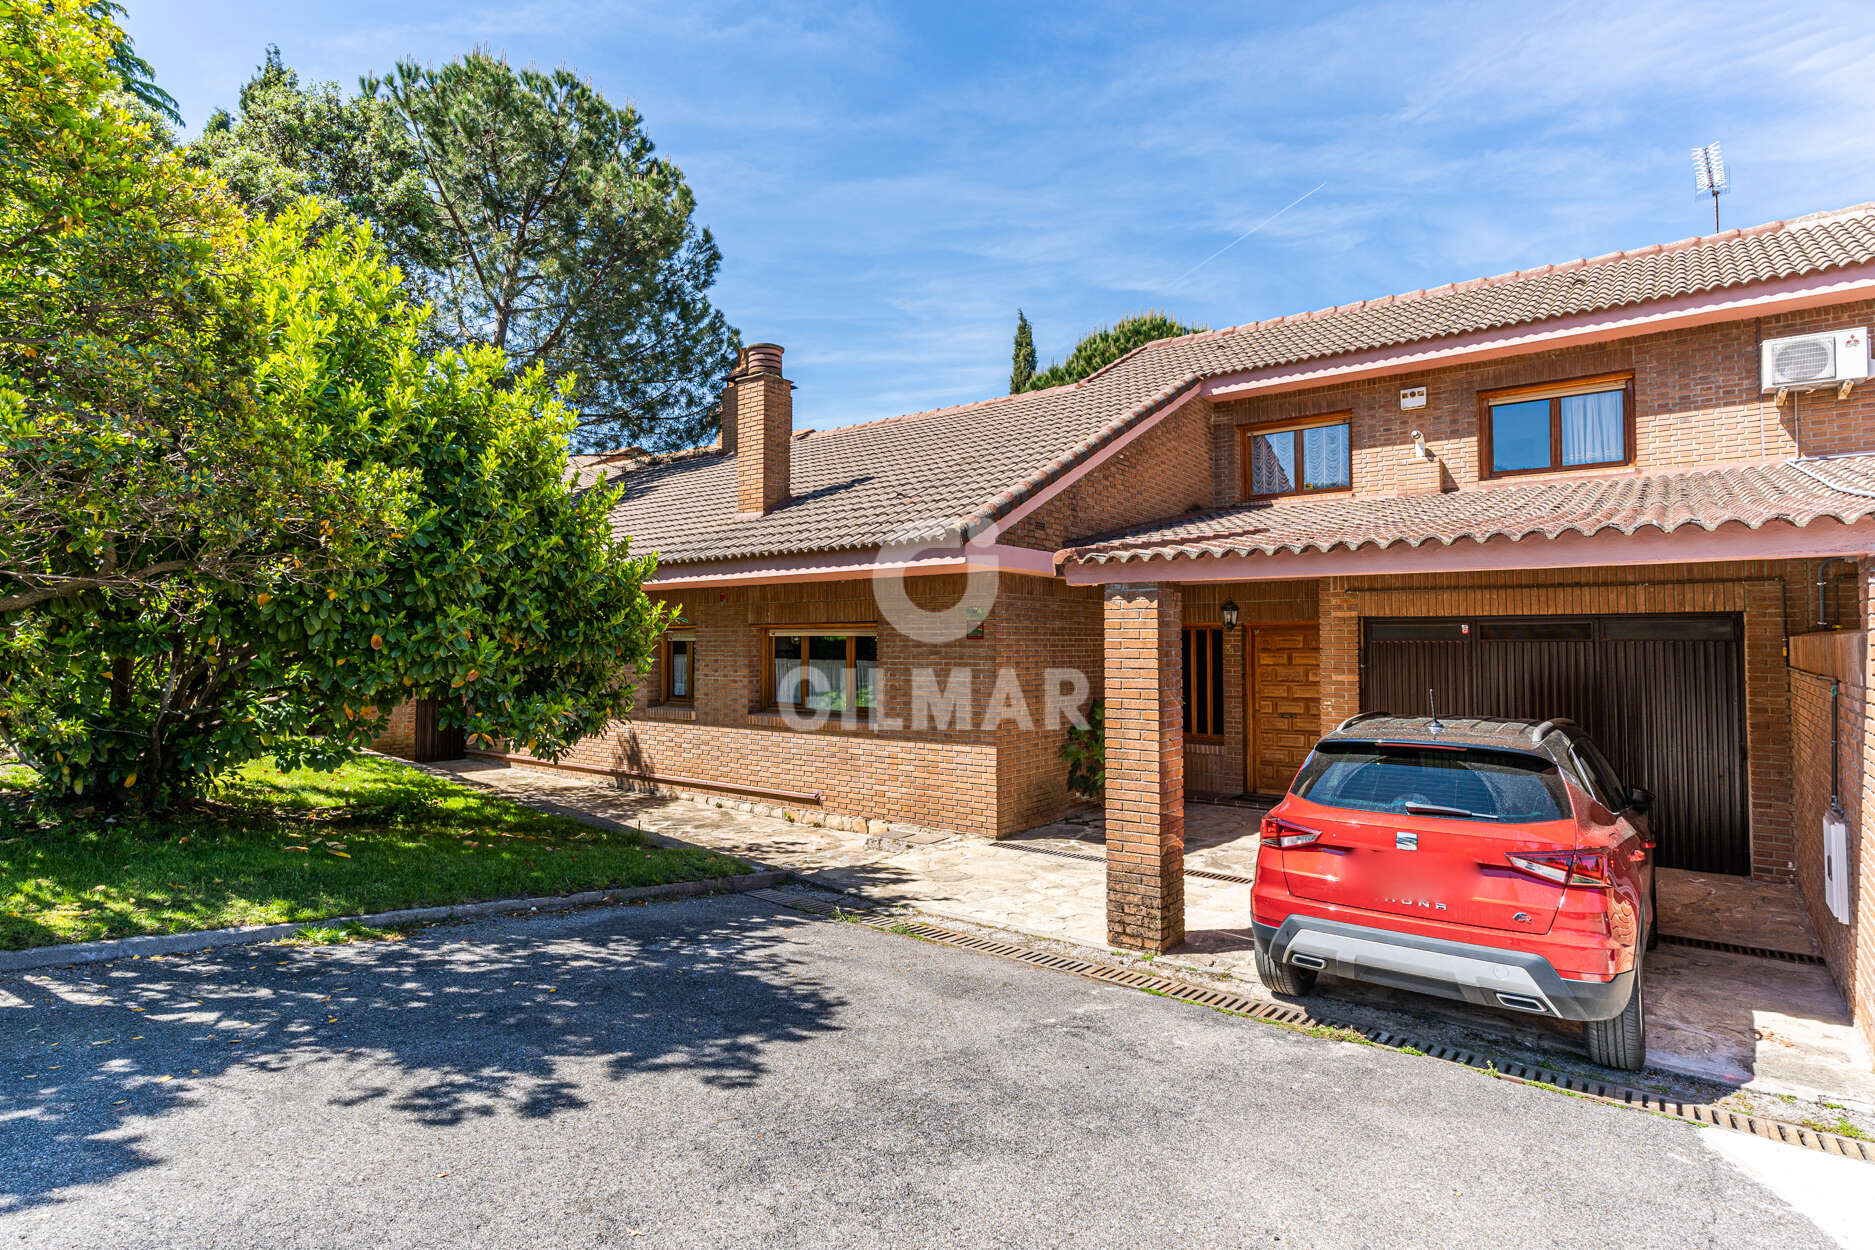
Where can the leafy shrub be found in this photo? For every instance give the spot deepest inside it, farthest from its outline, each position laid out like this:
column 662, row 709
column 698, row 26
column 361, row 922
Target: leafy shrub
column 1086, row 754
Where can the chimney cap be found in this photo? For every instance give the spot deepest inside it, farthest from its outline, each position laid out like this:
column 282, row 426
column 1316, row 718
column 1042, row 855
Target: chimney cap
column 760, row 358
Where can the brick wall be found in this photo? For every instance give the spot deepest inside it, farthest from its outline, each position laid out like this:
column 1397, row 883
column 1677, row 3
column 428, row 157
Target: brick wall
column 1165, row 471
column 1696, row 401
column 1041, row 625
column 992, row 768
column 1759, row 590
column 1815, row 660
column 1145, row 769
column 399, row 733
column 1862, row 882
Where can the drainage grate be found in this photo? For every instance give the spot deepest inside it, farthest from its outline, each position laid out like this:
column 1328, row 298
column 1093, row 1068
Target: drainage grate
column 1056, row 851
column 1208, row 875
column 1205, row 874
column 1757, row 952
column 817, row 903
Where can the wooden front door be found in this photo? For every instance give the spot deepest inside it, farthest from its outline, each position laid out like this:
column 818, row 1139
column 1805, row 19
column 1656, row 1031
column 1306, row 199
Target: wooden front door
column 1284, row 688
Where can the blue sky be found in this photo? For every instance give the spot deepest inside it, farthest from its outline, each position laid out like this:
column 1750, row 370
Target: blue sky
column 890, row 183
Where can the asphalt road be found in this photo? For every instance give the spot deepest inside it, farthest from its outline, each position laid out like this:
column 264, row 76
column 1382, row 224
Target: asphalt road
column 719, row 1073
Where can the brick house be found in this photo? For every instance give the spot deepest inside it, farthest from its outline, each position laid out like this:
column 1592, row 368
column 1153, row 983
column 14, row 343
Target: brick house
column 1561, row 491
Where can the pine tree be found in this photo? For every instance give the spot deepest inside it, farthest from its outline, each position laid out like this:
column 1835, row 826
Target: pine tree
column 527, row 211
column 1106, row 345
column 1022, row 366
column 138, row 78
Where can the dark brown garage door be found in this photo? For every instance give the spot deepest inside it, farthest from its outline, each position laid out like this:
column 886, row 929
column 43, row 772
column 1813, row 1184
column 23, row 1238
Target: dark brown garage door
column 1663, row 696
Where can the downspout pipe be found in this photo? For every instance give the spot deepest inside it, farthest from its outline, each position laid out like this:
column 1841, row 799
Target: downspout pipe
column 1822, row 589
column 1835, row 746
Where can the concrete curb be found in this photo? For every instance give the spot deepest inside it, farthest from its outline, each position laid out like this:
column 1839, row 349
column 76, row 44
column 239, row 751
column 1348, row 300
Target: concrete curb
column 209, row 939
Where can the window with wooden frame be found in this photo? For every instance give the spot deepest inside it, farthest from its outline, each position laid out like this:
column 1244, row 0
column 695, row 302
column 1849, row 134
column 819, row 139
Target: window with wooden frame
column 680, row 666
column 1203, row 659
column 1581, row 424
column 833, row 668
column 1296, row 457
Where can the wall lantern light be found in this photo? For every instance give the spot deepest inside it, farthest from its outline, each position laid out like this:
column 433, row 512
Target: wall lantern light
column 1230, row 614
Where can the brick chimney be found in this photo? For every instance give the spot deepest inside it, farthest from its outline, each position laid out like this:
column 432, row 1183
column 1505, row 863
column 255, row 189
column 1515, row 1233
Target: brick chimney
column 762, row 403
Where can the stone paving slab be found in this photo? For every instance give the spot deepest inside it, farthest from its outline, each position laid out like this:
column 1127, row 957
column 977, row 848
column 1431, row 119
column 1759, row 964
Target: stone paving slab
column 1733, row 1019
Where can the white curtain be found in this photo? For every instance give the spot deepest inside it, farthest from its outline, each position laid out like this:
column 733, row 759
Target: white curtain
column 787, row 668
column 1272, row 463
column 1594, row 430
column 1325, row 456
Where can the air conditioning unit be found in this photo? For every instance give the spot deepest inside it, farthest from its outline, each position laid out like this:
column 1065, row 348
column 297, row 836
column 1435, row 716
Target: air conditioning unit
column 1834, row 360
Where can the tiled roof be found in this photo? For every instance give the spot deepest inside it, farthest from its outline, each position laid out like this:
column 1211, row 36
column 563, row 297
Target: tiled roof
column 585, row 467
column 1748, row 494
column 933, row 476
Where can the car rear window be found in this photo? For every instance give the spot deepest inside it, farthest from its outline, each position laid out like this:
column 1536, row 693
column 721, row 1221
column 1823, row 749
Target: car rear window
column 1476, row 784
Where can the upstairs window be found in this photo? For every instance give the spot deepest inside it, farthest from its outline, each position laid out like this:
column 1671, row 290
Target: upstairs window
column 1572, row 425
column 1296, row 459
column 832, row 669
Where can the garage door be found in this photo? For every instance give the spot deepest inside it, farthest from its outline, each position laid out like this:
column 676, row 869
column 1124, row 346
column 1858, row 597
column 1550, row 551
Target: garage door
column 1663, row 696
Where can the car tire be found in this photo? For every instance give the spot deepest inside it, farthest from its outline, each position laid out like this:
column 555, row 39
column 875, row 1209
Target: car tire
column 1621, row 1041
column 1284, row 979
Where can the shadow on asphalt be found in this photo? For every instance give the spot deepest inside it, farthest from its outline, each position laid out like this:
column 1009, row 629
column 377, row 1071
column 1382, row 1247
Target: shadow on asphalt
column 442, row 1029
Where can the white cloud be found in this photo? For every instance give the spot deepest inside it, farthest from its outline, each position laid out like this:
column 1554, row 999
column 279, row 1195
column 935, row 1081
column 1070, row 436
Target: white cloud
column 888, row 185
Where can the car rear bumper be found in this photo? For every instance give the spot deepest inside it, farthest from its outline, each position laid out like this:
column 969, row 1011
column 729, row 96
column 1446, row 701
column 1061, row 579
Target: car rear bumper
column 1485, row 975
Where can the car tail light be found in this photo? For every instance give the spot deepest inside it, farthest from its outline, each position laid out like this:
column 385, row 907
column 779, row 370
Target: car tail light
column 1564, row 867
column 1286, row 836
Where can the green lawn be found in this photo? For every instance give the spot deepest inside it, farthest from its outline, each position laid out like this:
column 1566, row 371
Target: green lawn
column 272, row 846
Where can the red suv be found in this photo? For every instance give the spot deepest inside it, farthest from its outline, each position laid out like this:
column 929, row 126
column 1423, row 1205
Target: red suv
column 1500, row 862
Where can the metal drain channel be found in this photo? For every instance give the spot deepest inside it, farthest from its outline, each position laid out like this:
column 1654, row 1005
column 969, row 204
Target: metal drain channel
column 1757, row 952
column 1201, row 873
column 815, row 902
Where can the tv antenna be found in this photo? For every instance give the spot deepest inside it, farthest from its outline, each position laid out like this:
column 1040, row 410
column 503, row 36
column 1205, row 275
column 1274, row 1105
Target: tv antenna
column 1709, row 177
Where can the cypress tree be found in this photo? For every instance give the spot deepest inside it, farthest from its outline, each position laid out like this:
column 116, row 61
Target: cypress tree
column 1022, row 364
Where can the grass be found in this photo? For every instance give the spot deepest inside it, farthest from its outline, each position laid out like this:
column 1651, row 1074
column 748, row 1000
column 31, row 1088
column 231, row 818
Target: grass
column 1842, row 1126
column 340, row 934
column 271, row 847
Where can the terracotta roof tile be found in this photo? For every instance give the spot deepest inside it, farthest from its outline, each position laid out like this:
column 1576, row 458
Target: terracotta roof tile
column 1752, row 495
column 928, row 477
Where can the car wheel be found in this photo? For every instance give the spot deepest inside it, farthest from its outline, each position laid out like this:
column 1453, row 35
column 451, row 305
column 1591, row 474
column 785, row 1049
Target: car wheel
column 1621, row 1042
column 1286, row 979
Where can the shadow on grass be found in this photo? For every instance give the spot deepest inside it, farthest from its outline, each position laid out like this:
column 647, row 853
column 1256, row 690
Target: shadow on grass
column 441, row 1030
column 269, row 847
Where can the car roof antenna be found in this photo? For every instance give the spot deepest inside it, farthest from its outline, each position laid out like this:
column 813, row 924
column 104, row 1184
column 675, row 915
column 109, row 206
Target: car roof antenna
column 1432, row 700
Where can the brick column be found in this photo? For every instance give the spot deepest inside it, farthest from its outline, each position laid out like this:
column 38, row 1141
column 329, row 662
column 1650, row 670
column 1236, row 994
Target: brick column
column 1339, row 616
column 1145, row 720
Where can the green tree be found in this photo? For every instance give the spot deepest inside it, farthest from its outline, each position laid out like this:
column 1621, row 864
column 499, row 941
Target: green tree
column 133, row 448
column 570, row 245
column 1106, row 345
column 135, row 73
column 529, row 212
column 1022, row 360
column 503, row 592
column 240, row 504
column 287, row 142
